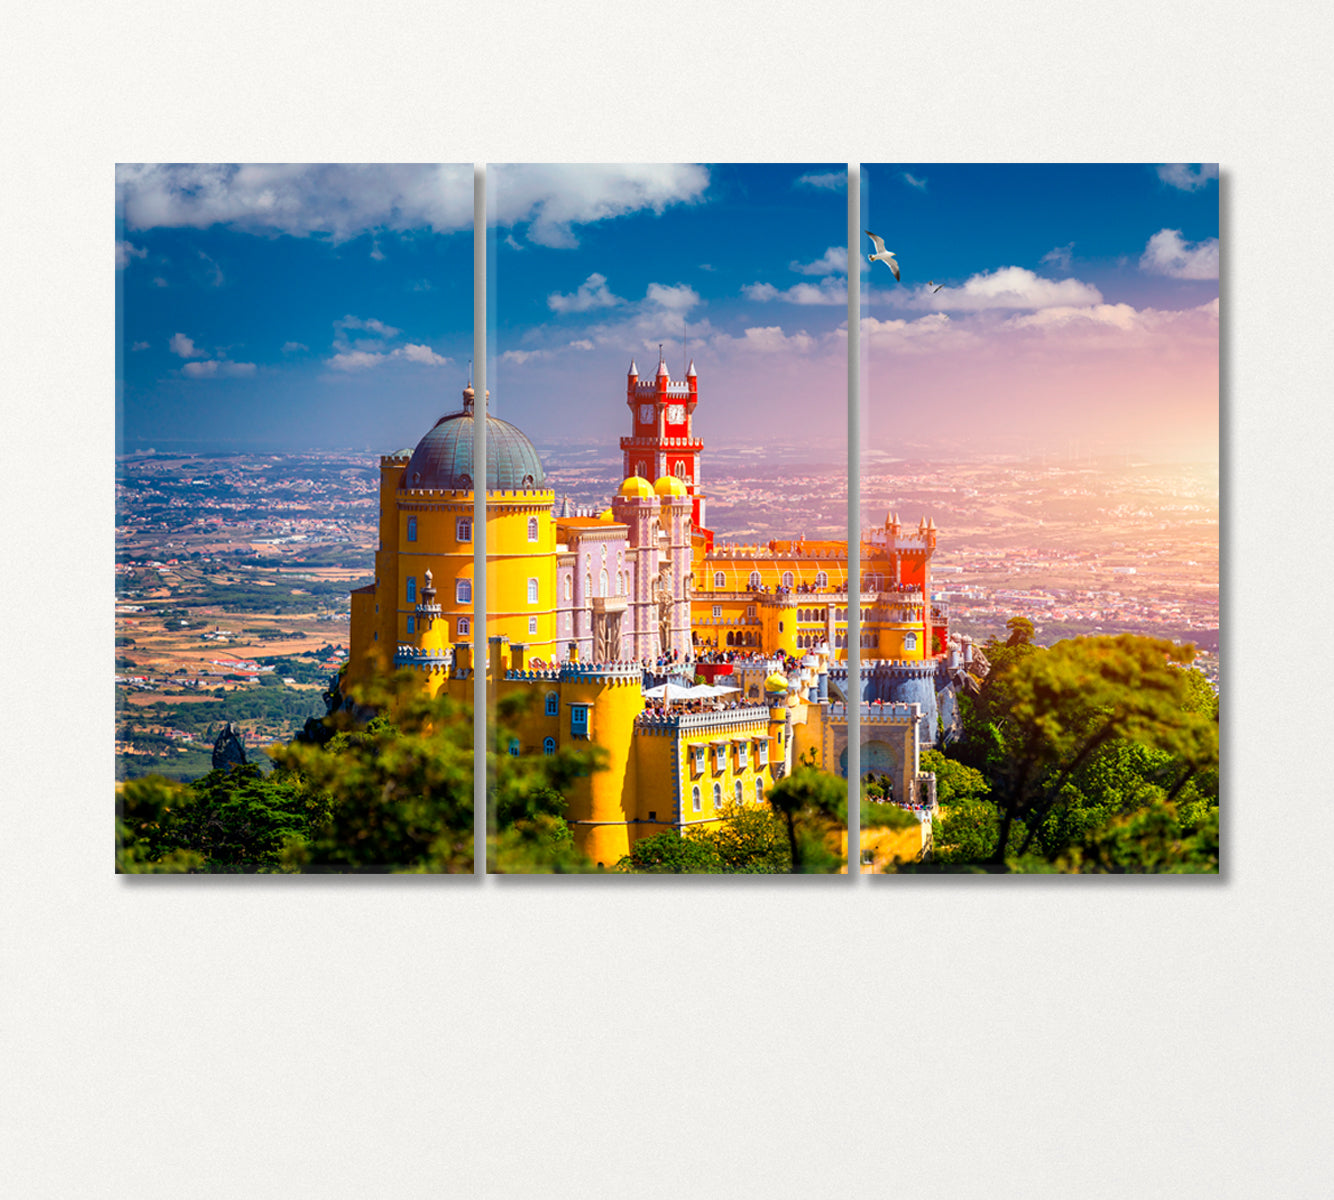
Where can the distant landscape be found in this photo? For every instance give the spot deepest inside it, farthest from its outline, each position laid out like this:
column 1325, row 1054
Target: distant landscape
column 233, row 570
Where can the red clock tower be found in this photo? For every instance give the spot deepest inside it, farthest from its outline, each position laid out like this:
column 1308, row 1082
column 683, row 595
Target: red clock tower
column 662, row 441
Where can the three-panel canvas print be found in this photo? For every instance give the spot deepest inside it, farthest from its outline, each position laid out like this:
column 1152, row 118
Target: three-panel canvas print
column 630, row 525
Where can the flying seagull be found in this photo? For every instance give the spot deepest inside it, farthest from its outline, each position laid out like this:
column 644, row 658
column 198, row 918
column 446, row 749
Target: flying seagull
column 935, row 287
column 881, row 254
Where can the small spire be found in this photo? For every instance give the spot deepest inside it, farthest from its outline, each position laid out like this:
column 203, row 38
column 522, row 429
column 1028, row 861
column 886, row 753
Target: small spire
column 634, row 370
column 662, row 362
column 690, row 371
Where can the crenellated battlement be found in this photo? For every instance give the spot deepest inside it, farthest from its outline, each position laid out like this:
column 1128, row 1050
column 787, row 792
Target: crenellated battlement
column 722, row 719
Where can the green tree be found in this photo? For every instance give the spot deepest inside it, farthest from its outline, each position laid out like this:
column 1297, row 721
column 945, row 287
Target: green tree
column 1047, row 724
column 669, row 853
column 814, row 807
column 1021, row 631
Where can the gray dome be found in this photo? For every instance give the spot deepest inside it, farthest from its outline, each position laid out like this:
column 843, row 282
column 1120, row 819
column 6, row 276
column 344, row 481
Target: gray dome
column 443, row 458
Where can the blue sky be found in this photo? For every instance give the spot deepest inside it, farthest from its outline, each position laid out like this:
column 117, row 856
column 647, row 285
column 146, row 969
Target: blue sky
column 285, row 308
column 571, row 308
column 294, row 307
column 1078, row 306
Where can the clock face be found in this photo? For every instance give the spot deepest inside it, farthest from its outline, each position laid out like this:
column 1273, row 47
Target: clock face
column 645, row 413
column 676, row 414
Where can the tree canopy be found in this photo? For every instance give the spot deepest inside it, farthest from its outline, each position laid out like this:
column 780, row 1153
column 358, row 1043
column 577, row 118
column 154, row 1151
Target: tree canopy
column 1071, row 752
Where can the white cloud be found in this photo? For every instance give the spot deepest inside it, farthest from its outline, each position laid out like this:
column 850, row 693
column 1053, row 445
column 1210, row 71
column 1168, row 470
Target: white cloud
column 519, row 357
column 511, row 243
column 126, row 251
column 1167, row 254
column 339, row 200
column 417, row 353
column 356, row 360
column 592, row 293
column 350, row 359
column 828, row 291
column 217, row 368
column 581, row 344
column 933, row 332
column 1187, row 177
column 1059, row 257
column 139, row 346
column 832, row 181
column 184, row 346
column 293, row 347
column 553, row 198
column 679, row 297
column 769, row 339
column 158, row 281
column 912, row 181
column 1119, row 316
column 834, row 261
column 369, row 324
column 1006, row 287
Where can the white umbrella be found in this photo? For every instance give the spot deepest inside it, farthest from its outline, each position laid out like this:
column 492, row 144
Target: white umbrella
column 669, row 691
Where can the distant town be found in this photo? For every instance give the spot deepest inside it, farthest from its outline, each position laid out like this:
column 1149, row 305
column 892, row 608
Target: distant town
column 233, row 570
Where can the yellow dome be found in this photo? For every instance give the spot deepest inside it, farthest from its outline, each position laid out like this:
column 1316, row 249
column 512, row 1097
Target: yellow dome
column 606, row 515
column 669, row 485
column 636, row 488
column 776, row 683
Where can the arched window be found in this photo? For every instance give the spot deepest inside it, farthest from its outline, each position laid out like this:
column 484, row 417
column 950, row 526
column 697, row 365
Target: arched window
column 532, row 591
column 910, row 642
column 620, row 591
column 641, row 470
column 821, row 579
column 719, row 579
column 549, row 746
column 754, row 579
column 412, row 624
column 553, row 705
column 532, row 529
column 717, row 795
column 412, row 529
column 465, row 627
column 694, row 799
column 412, row 589
column 680, row 470
column 602, row 582
column 759, row 791
column 740, row 795
column 463, row 529
column 569, row 588
column 729, row 640
column 787, row 578
column 463, row 591
column 514, row 747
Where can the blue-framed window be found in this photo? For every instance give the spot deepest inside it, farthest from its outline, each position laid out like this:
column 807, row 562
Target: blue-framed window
column 463, row 591
column 463, row 530
column 553, row 705
column 549, row 746
column 514, row 747
column 412, row 624
column 579, row 720
column 412, row 588
column 412, row 529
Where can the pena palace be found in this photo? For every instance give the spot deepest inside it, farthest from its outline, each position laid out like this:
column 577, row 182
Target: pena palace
column 594, row 614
